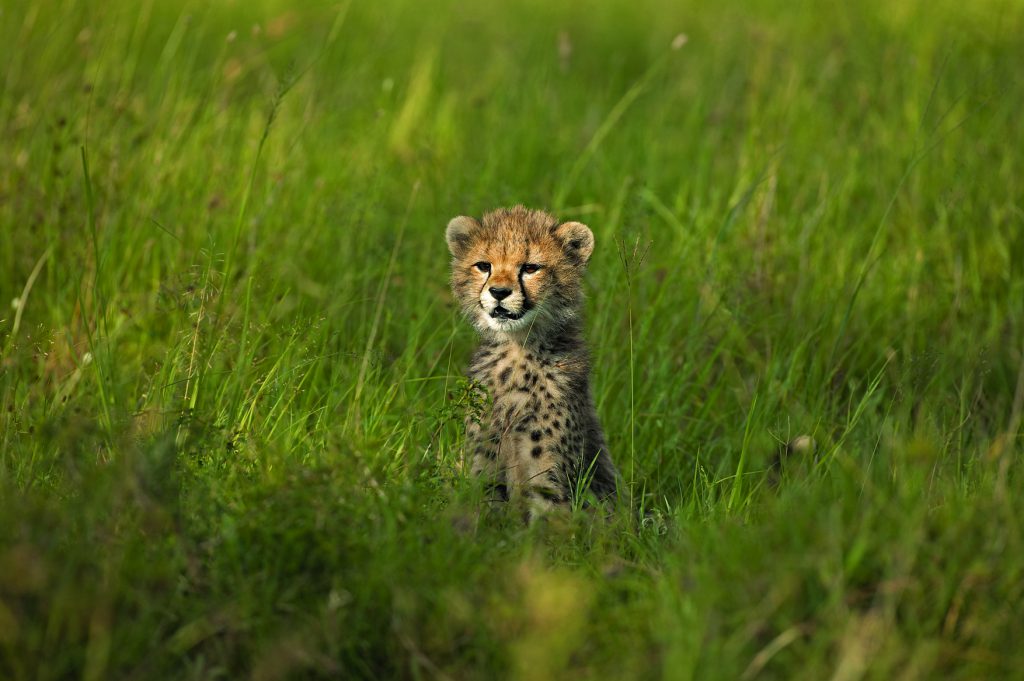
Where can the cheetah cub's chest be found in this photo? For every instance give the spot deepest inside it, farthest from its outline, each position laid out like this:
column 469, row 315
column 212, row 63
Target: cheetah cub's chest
column 534, row 440
column 527, row 392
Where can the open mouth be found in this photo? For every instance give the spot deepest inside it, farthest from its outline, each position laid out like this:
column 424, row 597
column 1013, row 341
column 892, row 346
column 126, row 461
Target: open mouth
column 502, row 313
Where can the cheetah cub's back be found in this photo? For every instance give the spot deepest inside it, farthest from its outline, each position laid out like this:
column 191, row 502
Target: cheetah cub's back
column 517, row 276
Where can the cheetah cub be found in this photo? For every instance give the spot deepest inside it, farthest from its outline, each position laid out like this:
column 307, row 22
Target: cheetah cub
column 517, row 276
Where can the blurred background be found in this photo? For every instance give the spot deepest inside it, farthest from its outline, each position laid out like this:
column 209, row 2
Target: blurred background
column 230, row 381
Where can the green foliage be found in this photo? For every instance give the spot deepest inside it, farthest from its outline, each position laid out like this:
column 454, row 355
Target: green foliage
column 231, row 400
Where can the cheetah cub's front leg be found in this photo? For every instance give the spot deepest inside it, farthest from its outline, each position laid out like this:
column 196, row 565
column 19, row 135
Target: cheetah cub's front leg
column 517, row 276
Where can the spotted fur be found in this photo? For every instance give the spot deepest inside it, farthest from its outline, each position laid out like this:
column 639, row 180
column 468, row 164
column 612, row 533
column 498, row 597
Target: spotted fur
column 517, row 276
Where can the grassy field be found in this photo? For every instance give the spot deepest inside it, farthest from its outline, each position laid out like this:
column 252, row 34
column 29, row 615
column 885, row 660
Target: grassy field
column 230, row 381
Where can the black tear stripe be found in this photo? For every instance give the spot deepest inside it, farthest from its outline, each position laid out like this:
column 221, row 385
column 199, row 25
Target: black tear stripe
column 486, row 279
column 527, row 303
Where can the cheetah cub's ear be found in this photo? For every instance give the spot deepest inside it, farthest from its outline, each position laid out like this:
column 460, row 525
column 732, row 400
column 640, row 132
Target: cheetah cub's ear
column 460, row 234
column 577, row 241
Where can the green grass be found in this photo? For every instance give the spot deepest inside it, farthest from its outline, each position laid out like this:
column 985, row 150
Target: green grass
column 230, row 394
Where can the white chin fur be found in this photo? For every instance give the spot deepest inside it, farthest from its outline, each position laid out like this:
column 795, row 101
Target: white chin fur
column 510, row 325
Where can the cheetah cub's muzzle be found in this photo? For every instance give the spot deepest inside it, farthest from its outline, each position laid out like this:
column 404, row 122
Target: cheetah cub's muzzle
column 505, row 304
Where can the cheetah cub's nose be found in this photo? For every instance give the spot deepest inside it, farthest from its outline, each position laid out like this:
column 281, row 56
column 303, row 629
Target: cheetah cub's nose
column 500, row 293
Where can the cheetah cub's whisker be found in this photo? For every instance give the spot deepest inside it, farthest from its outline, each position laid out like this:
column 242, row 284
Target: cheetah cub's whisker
column 517, row 276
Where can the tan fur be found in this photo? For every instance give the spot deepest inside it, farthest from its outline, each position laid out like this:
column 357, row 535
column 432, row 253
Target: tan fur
column 541, row 439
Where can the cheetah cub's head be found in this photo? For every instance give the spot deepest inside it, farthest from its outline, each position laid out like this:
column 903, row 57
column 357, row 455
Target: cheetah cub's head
column 518, row 270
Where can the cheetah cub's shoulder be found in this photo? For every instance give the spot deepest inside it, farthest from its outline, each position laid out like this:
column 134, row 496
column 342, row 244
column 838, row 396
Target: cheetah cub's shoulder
column 517, row 276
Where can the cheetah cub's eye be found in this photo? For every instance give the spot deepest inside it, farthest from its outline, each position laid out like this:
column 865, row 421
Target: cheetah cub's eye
column 530, row 268
column 483, row 266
